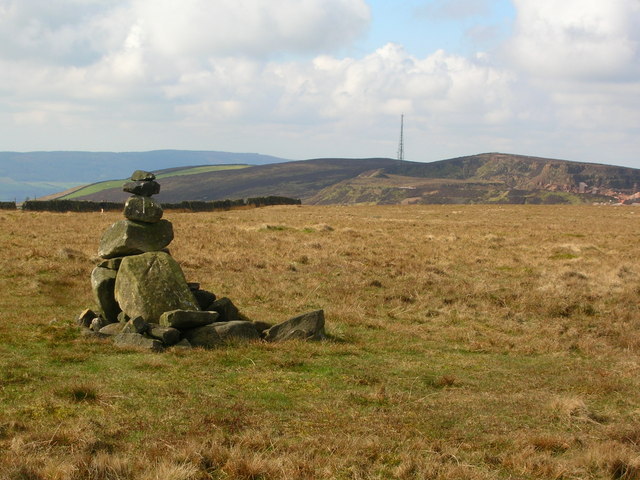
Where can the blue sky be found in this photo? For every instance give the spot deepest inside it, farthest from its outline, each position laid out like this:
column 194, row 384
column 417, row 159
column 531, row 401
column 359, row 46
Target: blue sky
column 324, row 78
column 424, row 27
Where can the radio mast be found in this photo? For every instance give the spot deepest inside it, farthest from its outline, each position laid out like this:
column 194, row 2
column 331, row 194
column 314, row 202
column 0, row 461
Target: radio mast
column 401, row 145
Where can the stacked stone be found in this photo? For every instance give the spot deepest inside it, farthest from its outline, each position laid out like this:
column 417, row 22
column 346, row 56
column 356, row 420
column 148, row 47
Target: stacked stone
column 143, row 229
column 144, row 299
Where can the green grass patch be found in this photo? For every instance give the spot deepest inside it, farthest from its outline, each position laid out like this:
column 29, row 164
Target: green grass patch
column 101, row 186
column 94, row 188
column 202, row 169
column 563, row 256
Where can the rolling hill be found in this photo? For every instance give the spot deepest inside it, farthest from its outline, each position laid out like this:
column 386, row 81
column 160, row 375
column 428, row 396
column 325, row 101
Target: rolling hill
column 36, row 174
column 482, row 178
column 300, row 179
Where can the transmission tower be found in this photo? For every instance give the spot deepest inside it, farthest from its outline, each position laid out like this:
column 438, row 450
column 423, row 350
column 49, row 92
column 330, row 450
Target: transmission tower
column 401, row 144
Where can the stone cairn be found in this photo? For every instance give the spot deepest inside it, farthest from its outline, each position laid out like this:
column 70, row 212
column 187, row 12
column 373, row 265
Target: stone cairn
column 144, row 300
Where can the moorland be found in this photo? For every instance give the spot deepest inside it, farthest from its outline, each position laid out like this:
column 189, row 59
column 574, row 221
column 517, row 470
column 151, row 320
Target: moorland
column 475, row 342
column 488, row 178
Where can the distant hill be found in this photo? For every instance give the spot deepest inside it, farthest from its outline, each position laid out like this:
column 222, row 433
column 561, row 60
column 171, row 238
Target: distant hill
column 489, row 178
column 299, row 179
column 36, row 174
column 483, row 178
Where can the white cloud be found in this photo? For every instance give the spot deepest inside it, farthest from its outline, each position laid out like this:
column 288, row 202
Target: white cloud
column 580, row 62
column 80, row 32
column 249, row 27
column 265, row 76
column 71, row 32
column 455, row 9
column 389, row 81
column 579, row 39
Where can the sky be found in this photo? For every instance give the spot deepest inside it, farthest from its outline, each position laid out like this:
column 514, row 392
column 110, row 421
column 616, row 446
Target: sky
column 324, row 78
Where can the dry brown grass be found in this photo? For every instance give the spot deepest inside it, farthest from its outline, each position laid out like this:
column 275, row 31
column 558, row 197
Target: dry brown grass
column 467, row 342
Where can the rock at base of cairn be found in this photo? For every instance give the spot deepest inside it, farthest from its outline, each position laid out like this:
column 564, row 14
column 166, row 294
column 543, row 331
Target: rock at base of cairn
column 308, row 326
column 182, row 345
column 135, row 325
column 112, row 329
column 150, row 284
column 186, row 319
column 103, row 282
column 131, row 238
column 167, row 335
column 236, row 330
column 137, row 341
column 206, row 337
column 86, row 317
column 204, row 298
column 227, row 310
column 97, row 324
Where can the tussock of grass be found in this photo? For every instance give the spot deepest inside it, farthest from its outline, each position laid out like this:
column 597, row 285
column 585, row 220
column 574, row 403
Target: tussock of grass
column 466, row 342
column 81, row 393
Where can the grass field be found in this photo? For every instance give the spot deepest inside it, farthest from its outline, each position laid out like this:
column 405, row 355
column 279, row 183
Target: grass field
column 467, row 342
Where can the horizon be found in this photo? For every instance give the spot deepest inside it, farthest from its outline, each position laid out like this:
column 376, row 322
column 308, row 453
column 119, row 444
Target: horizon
column 49, row 173
column 286, row 160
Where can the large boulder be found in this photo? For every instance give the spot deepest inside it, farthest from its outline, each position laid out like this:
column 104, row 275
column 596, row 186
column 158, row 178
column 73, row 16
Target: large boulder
column 308, row 326
column 149, row 284
column 236, row 330
column 127, row 237
column 186, row 319
column 142, row 209
column 103, row 282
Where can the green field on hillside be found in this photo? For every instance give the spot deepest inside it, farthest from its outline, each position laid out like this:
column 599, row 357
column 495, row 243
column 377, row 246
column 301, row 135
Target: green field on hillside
column 100, row 186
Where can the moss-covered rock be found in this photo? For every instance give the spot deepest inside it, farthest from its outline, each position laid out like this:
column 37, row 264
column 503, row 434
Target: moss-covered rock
column 236, row 330
column 167, row 335
column 143, row 187
column 227, row 310
column 112, row 329
column 142, row 175
column 308, row 326
column 103, row 282
column 127, row 237
column 206, row 337
column 150, row 284
column 142, row 209
column 186, row 319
